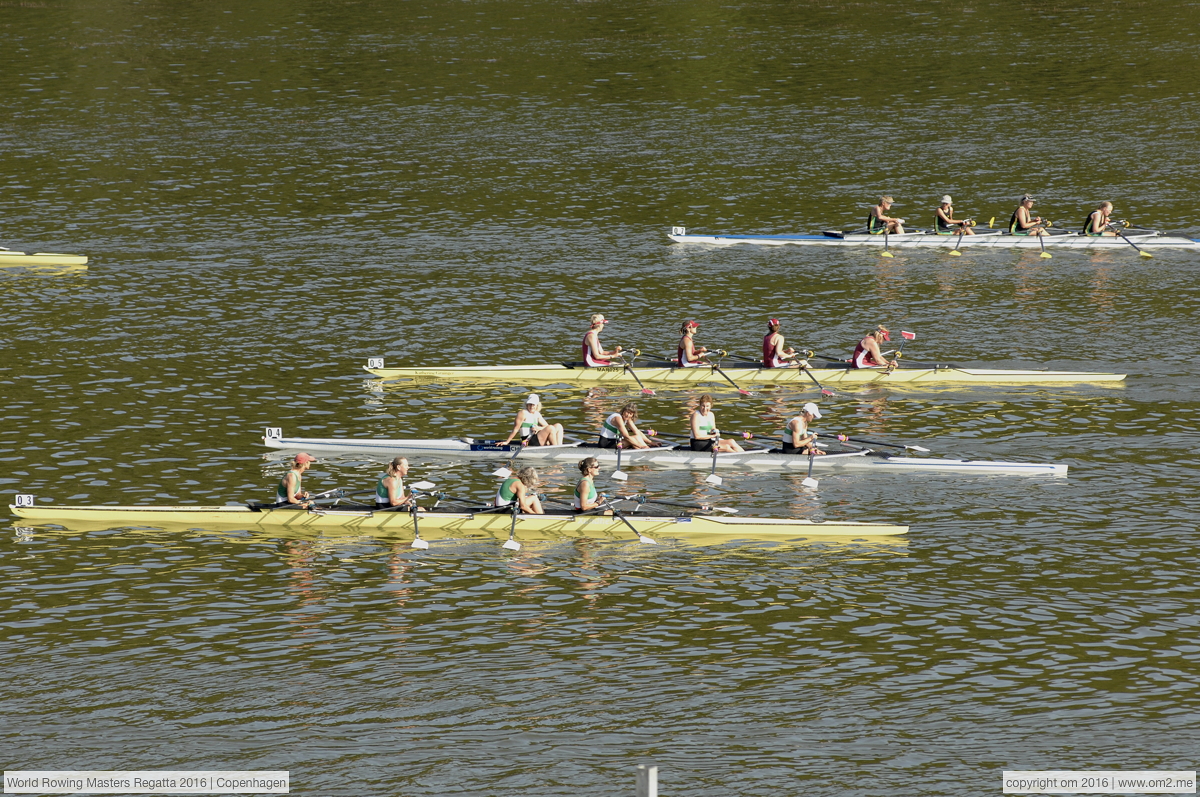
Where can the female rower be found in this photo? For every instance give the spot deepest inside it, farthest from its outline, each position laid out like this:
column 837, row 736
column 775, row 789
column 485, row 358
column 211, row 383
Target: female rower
column 1097, row 222
column 289, row 492
column 867, row 353
column 774, row 353
column 521, row 488
column 1022, row 223
column 797, row 439
column 532, row 428
column 878, row 221
column 594, row 354
column 704, row 429
column 389, row 490
column 689, row 355
column 947, row 224
column 622, row 426
column 586, row 498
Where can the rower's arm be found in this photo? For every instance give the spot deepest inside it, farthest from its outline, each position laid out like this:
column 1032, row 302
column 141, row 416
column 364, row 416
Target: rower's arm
column 516, row 428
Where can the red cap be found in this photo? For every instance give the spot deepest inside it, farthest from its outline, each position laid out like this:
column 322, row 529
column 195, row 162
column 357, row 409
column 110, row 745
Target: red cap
column 302, row 458
column 692, row 324
column 774, row 322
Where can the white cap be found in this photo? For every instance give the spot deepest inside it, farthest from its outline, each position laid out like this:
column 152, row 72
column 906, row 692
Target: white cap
column 946, row 200
column 533, row 399
column 811, row 409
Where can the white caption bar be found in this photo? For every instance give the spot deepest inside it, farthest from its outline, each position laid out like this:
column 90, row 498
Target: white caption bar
column 1105, row 781
column 148, row 782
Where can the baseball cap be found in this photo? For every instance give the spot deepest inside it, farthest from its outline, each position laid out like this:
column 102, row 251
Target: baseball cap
column 774, row 322
column 946, row 200
column 302, row 458
column 533, row 399
column 811, row 409
column 692, row 324
column 1027, row 198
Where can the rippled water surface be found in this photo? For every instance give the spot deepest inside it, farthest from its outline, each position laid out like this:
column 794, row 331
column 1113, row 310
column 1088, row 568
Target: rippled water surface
column 271, row 193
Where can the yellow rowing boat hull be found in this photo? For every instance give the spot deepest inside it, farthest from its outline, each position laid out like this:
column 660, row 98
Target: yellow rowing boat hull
column 11, row 257
column 552, row 373
column 450, row 525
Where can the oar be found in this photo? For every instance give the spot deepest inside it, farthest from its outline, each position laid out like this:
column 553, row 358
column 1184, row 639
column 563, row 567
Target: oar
column 617, row 474
column 641, row 537
column 717, row 367
column 698, row 507
column 712, row 477
column 809, row 481
column 844, row 438
column 1141, row 252
column 629, row 367
column 511, row 543
column 962, row 230
column 1042, row 240
column 503, row 471
column 886, row 251
column 824, row 390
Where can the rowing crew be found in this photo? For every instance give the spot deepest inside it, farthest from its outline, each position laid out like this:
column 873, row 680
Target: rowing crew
column 775, row 354
column 518, row 490
column 1098, row 223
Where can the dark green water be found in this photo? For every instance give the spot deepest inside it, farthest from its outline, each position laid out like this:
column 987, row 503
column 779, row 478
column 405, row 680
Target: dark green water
column 270, row 193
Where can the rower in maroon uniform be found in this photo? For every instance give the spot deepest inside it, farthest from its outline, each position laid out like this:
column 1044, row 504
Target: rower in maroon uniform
column 774, row 353
column 690, row 355
column 594, row 354
column 867, row 353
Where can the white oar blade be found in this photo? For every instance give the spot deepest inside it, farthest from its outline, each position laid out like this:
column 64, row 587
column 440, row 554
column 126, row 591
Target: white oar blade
column 713, row 478
column 503, row 473
column 646, row 540
column 810, row 483
column 730, row 510
column 619, row 476
column 918, row 448
column 424, row 485
column 420, row 544
column 511, row 545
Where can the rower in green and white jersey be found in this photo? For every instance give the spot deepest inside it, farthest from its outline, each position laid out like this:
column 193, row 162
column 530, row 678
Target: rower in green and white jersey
column 532, row 428
column 1097, row 222
column 389, row 490
column 878, row 221
column 289, row 490
column 947, row 224
column 521, row 489
column 586, row 497
column 621, row 427
column 705, row 435
column 1023, row 222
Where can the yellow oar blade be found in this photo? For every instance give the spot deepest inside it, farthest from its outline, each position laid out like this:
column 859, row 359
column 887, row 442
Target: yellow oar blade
column 1046, row 255
column 955, row 253
column 1147, row 254
column 887, row 254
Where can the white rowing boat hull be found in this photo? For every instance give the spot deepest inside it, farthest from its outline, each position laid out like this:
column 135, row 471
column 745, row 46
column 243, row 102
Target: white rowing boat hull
column 451, row 525
column 554, row 373
column 11, row 257
column 662, row 457
column 981, row 241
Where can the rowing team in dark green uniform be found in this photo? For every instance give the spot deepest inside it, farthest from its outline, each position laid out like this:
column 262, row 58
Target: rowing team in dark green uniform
column 1023, row 222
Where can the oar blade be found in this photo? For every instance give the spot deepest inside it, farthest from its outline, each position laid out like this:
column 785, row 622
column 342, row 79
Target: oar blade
column 1146, row 254
column 424, row 485
column 955, row 253
column 887, row 254
column 1045, row 255
column 647, row 391
column 420, row 544
column 620, row 476
column 647, row 540
column 511, row 545
column 714, row 479
column 810, row 483
column 502, row 473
